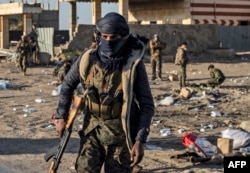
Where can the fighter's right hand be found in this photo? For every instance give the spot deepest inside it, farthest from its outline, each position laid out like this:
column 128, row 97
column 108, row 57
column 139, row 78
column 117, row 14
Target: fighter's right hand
column 59, row 123
column 60, row 126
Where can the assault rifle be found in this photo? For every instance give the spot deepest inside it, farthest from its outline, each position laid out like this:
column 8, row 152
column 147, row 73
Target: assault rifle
column 57, row 152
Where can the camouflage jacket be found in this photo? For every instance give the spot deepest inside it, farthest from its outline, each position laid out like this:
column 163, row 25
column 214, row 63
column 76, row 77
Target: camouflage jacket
column 181, row 57
column 34, row 46
column 23, row 47
column 156, row 47
column 217, row 74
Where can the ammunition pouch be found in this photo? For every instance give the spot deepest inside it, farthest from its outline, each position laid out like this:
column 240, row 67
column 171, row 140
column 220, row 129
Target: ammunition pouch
column 105, row 106
column 93, row 101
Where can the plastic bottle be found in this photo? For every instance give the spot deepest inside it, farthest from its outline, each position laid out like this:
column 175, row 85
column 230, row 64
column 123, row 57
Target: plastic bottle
column 165, row 132
column 40, row 100
column 2, row 85
column 245, row 149
column 220, row 44
column 29, row 110
column 206, row 146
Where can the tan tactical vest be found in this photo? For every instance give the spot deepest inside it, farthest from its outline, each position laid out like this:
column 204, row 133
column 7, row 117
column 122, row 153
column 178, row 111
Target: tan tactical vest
column 105, row 92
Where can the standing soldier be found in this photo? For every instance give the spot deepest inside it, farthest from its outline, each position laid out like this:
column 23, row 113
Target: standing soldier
column 23, row 49
column 35, row 50
column 156, row 60
column 119, row 105
column 181, row 60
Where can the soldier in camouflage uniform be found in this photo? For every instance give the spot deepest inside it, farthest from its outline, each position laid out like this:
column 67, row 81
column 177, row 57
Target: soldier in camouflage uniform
column 156, row 47
column 119, row 105
column 64, row 62
column 63, row 70
column 24, row 50
column 34, row 50
column 217, row 77
column 181, row 60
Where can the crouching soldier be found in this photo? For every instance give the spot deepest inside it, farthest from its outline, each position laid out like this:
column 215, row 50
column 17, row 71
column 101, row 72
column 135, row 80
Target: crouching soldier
column 217, row 77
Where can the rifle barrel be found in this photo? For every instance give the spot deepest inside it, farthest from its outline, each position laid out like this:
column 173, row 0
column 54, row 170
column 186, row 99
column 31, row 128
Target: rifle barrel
column 199, row 159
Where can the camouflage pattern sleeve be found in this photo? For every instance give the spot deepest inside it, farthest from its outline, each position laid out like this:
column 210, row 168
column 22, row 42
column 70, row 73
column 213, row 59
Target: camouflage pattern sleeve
column 212, row 74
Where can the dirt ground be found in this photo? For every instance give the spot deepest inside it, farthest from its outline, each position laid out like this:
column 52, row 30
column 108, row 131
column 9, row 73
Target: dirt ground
column 26, row 137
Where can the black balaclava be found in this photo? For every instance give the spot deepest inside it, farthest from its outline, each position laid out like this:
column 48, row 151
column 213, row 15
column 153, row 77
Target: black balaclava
column 112, row 23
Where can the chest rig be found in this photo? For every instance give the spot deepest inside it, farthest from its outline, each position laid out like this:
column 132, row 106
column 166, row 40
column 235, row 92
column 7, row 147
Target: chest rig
column 24, row 47
column 104, row 98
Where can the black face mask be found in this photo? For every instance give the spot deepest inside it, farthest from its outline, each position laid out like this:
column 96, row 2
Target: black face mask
column 111, row 48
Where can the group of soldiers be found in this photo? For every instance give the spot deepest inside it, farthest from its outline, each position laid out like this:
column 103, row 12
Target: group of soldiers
column 27, row 47
column 181, row 60
column 119, row 105
column 156, row 45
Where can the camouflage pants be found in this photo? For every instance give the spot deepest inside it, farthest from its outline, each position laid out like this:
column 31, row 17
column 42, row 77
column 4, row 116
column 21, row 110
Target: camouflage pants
column 214, row 82
column 35, row 58
column 156, row 64
column 17, row 59
column 182, row 75
column 93, row 156
column 23, row 62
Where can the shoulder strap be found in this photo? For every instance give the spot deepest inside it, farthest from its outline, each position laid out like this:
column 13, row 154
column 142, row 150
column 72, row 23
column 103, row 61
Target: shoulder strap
column 86, row 67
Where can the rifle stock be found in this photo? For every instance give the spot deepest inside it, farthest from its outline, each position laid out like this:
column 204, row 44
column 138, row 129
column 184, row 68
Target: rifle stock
column 51, row 167
column 56, row 153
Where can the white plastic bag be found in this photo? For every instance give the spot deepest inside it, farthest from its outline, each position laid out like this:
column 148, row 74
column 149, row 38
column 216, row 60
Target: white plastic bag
column 240, row 138
column 201, row 146
column 166, row 101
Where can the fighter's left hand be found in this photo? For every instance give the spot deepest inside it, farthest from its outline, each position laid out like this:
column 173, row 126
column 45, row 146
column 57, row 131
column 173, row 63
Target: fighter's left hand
column 137, row 153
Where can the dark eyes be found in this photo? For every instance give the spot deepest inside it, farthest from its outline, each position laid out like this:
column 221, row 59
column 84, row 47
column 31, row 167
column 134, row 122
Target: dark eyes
column 110, row 37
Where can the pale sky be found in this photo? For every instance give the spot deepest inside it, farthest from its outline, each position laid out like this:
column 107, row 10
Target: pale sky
column 84, row 13
column 84, row 10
